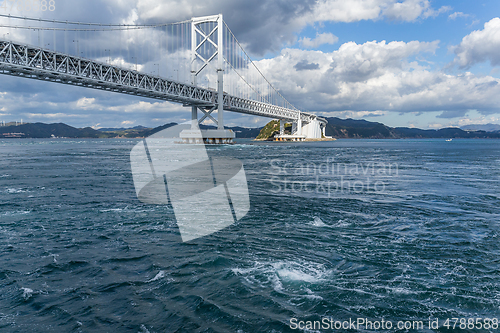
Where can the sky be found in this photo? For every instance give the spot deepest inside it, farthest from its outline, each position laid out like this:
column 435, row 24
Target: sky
column 413, row 63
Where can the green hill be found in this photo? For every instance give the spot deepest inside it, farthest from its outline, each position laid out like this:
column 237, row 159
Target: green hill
column 271, row 129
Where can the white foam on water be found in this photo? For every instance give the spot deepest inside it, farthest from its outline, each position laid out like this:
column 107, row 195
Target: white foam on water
column 341, row 224
column 111, row 210
column 27, row 293
column 261, row 275
column 292, row 271
column 4, row 176
column 400, row 290
column 127, row 210
column 143, row 329
column 311, row 295
column 317, row 222
column 281, row 275
column 295, row 275
column 15, row 190
column 276, row 283
column 160, row 275
column 16, row 212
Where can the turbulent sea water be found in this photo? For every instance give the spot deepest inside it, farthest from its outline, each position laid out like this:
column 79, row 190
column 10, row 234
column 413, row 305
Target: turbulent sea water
column 377, row 229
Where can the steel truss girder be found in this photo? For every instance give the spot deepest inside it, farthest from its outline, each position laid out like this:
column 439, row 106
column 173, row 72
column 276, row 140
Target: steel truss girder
column 41, row 64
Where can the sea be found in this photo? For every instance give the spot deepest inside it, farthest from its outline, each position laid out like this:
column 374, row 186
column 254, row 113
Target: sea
column 341, row 236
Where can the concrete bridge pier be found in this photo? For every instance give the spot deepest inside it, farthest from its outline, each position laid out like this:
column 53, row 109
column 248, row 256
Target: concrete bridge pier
column 313, row 129
column 210, row 136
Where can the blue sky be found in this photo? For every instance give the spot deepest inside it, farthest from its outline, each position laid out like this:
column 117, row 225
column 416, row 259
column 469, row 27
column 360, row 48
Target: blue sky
column 415, row 63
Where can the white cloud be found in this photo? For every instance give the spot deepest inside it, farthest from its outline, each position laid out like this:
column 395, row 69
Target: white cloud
column 86, row 103
column 262, row 25
column 357, row 10
column 408, row 10
column 346, row 11
column 378, row 76
column 147, row 107
column 59, row 115
column 454, row 15
column 358, row 114
column 49, row 102
column 477, row 119
column 430, row 12
column 252, row 23
column 411, row 10
column 480, row 46
column 435, row 125
column 324, row 38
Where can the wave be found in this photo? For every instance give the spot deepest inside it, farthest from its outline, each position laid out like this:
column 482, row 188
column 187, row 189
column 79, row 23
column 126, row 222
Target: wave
column 317, row 222
column 159, row 276
column 127, row 210
column 284, row 276
column 16, row 190
column 15, row 212
column 27, row 293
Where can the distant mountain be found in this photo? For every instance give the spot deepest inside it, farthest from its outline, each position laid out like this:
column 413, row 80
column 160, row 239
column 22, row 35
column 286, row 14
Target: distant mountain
column 241, row 132
column 111, row 129
column 143, row 132
column 150, row 131
column 350, row 128
column 41, row 130
column 336, row 127
column 404, row 132
column 485, row 127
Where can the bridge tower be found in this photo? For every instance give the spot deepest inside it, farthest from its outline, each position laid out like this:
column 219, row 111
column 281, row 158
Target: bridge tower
column 211, row 40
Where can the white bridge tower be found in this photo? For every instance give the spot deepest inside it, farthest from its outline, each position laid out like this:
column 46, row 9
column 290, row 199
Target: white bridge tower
column 211, row 40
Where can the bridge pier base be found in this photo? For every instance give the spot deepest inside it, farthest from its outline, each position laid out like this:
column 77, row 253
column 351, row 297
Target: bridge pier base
column 207, row 136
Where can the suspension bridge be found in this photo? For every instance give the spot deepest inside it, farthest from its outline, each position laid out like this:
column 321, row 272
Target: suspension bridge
column 199, row 63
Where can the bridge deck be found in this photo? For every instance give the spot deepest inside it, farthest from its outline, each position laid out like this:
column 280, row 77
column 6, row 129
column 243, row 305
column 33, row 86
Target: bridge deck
column 41, row 64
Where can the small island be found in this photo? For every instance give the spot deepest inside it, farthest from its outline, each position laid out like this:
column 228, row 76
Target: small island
column 271, row 131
